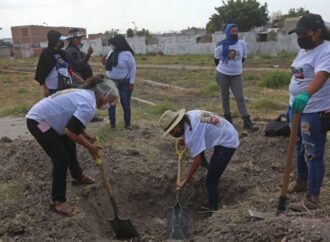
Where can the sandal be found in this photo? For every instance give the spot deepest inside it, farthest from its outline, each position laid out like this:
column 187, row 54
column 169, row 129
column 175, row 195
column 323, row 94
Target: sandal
column 61, row 208
column 83, row 180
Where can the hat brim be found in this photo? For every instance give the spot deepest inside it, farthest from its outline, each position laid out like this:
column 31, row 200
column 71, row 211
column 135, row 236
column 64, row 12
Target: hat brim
column 299, row 30
column 178, row 118
column 76, row 36
column 63, row 38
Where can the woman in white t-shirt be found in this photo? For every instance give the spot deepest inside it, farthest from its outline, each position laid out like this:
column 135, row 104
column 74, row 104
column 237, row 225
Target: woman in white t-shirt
column 202, row 130
column 229, row 57
column 58, row 122
column 310, row 95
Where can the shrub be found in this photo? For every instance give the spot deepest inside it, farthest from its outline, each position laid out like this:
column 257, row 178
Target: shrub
column 277, row 79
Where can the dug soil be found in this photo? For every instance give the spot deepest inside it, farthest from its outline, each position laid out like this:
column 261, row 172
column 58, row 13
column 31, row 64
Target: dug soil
column 142, row 169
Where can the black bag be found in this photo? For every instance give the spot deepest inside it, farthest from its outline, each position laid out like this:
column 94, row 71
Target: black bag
column 64, row 82
column 277, row 127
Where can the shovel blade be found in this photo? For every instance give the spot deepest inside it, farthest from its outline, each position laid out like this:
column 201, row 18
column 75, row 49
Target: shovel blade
column 177, row 223
column 123, row 228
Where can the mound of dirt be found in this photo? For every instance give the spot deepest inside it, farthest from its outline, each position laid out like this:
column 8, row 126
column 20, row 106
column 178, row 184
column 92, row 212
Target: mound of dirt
column 142, row 170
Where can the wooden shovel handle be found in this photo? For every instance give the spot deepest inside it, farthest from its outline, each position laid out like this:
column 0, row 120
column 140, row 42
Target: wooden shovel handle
column 180, row 153
column 290, row 151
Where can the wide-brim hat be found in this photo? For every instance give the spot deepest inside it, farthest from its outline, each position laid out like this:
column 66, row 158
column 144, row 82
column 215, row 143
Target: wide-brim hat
column 170, row 119
column 74, row 33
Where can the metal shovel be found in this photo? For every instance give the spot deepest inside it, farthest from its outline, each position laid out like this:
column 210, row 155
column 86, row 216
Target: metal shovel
column 177, row 216
column 123, row 228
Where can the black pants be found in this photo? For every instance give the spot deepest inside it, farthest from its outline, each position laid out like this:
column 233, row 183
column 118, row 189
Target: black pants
column 218, row 163
column 63, row 154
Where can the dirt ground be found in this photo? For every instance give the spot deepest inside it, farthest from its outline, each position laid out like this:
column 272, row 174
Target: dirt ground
column 143, row 178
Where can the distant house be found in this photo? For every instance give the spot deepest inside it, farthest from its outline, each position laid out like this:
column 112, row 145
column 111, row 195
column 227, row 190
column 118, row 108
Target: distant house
column 27, row 39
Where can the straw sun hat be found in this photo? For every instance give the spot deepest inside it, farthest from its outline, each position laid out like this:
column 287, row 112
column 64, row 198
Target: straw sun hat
column 170, row 119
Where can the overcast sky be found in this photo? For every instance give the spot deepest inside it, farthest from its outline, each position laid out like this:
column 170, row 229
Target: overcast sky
column 155, row 15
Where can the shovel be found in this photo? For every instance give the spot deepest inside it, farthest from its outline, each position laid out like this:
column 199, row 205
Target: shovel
column 123, row 228
column 281, row 206
column 177, row 216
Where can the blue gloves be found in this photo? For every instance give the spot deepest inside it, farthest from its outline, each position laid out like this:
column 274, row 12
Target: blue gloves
column 300, row 102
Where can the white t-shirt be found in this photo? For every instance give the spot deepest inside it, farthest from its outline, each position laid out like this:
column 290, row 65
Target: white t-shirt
column 304, row 68
column 52, row 78
column 208, row 130
column 59, row 108
column 126, row 67
column 234, row 65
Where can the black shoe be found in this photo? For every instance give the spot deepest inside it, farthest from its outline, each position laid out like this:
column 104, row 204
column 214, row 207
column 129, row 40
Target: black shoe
column 128, row 126
column 96, row 119
column 248, row 125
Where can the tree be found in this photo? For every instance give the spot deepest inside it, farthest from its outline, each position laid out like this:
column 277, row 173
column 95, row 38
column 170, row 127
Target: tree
column 109, row 34
column 245, row 13
column 296, row 12
column 143, row 32
column 129, row 32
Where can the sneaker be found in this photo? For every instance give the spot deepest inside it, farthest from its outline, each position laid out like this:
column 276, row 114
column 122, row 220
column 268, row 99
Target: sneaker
column 96, row 119
column 298, row 186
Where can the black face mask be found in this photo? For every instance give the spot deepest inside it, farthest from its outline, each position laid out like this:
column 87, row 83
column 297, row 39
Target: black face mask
column 306, row 42
column 234, row 37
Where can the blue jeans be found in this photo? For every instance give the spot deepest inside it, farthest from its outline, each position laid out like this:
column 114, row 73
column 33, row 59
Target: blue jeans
column 310, row 151
column 218, row 163
column 125, row 100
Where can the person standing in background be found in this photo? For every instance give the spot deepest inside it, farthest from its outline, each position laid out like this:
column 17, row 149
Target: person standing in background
column 230, row 55
column 121, row 68
column 78, row 60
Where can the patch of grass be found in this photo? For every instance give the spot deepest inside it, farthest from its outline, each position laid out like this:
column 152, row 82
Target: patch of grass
column 21, row 109
column 211, row 87
column 276, row 79
column 160, row 108
column 267, row 104
column 10, row 191
column 22, row 91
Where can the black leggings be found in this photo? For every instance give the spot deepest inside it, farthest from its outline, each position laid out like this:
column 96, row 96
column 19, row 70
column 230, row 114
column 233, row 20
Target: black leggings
column 218, row 163
column 63, row 154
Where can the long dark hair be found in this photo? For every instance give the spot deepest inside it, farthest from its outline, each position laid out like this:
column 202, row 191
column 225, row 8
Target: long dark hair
column 121, row 44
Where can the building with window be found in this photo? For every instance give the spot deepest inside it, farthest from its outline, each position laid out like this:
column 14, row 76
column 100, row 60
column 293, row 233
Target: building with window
column 27, row 39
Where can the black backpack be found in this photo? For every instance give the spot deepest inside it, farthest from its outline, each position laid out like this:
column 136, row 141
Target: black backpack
column 278, row 127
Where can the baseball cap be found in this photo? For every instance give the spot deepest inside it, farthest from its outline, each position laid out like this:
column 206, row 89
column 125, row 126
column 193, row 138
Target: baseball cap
column 308, row 22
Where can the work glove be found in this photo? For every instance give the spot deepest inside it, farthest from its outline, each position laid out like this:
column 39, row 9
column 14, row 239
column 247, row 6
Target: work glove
column 300, row 102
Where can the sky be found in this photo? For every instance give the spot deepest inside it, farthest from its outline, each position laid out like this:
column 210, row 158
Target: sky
column 157, row 16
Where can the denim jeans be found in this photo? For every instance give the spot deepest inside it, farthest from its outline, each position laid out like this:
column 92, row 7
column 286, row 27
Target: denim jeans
column 218, row 163
column 125, row 100
column 310, row 151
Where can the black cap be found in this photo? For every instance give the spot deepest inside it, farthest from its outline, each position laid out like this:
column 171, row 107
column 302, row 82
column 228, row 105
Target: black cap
column 308, row 22
column 53, row 36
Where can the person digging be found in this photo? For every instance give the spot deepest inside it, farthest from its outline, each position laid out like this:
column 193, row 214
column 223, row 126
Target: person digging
column 202, row 130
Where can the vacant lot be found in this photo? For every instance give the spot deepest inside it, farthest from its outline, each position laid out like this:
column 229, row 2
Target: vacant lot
column 142, row 166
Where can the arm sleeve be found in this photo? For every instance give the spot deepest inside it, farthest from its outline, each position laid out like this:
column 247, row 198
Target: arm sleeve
column 323, row 62
column 84, row 113
column 44, row 67
column 218, row 52
column 131, row 68
column 75, row 125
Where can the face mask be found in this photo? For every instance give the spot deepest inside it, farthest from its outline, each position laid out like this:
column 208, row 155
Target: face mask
column 105, row 106
column 234, row 37
column 306, row 42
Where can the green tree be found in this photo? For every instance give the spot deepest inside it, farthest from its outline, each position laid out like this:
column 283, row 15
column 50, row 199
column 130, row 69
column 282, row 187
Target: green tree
column 245, row 13
column 296, row 12
column 143, row 32
column 129, row 32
